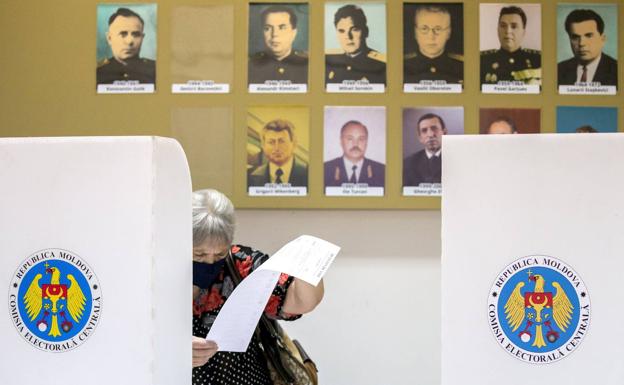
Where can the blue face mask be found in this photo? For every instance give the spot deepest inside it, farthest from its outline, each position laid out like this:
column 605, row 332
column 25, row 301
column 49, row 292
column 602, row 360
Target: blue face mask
column 204, row 274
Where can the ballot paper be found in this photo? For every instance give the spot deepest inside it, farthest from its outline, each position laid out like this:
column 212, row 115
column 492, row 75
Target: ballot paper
column 306, row 258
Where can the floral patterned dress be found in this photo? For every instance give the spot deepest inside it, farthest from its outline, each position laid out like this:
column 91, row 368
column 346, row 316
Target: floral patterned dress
column 229, row 368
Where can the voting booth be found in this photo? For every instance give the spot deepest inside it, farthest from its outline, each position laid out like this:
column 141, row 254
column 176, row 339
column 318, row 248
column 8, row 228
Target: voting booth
column 96, row 243
column 533, row 259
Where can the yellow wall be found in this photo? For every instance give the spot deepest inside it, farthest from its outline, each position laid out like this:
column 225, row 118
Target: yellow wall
column 47, row 88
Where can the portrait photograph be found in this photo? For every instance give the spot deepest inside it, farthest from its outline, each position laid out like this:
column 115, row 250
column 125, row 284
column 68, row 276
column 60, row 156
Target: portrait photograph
column 509, row 120
column 355, row 47
column 278, row 150
column 423, row 128
column 433, row 47
column 126, row 48
column 587, row 49
column 573, row 119
column 278, row 47
column 354, row 151
column 510, row 41
column 202, row 49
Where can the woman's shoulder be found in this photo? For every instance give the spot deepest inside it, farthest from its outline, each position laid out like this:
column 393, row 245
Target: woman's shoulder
column 243, row 252
column 247, row 258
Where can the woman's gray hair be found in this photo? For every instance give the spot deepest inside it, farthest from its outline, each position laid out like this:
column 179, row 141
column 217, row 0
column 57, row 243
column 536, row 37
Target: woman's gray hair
column 213, row 217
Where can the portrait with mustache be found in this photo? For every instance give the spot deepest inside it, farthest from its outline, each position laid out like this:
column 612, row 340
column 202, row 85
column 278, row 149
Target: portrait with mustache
column 353, row 167
column 425, row 166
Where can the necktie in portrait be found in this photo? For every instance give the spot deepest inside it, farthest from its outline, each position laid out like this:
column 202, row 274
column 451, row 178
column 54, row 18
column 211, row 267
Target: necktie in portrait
column 353, row 175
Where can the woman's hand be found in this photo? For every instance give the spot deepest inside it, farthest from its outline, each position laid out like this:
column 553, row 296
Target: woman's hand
column 203, row 350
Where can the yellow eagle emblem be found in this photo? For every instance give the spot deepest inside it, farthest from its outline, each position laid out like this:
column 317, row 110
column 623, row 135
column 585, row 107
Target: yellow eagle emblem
column 54, row 300
column 539, row 309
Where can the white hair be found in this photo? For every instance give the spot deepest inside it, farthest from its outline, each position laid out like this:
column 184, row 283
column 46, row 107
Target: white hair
column 213, row 217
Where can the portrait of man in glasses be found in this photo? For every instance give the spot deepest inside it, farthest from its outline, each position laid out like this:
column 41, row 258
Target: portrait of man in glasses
column 428, row 36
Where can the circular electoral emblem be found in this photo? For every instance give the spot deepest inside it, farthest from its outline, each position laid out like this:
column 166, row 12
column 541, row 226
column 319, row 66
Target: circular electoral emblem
column 55, row 300
column 538, row 309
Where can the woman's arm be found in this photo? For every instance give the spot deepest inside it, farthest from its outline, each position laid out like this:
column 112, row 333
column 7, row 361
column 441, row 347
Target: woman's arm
column 302, row 297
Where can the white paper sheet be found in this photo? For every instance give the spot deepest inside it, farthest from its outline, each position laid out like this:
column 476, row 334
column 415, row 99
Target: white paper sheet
column 306, row 258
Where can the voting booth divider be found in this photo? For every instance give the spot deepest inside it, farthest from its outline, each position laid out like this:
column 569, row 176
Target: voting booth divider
column 96, row 239
column 532, row 246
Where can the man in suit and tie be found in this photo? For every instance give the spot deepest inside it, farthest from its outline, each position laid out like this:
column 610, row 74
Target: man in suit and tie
column 425, row 166
column 585, row 29
column 353, row 166
column 278, row 146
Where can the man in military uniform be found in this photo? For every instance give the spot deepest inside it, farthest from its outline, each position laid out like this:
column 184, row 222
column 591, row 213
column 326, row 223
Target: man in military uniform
column 353, row 166
column 511, row 62
column 357, row 61
column 125, row 36
column 279, row 61
column 432, row 30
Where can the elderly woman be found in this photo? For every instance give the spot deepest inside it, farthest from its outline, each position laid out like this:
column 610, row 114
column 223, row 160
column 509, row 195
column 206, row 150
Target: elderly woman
column 213, row 231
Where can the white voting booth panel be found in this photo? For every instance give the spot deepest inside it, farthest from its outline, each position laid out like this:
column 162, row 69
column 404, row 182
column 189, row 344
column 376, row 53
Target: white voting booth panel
column 95, row 239
column 559, row 198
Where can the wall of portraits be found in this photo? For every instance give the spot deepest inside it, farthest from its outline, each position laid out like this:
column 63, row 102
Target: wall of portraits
column 317, row 104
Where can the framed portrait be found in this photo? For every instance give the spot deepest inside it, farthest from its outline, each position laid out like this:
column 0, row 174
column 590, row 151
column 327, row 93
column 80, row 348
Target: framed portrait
column 589, row 120
column 509, row 120
column 510, row 40
column 355, row 47
column 423, row 128
column 278, row 152
column 126, row 48
column 433, row 47
column 354, row 151
column 202, row 49
column 278, row 48
column 587, row 49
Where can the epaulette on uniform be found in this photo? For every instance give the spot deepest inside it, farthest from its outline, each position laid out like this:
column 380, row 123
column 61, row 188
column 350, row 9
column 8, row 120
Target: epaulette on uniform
column 410, row 55
column 488, row 52
column 531, row 51
column 377, row 56
column 301, row 54
column 456, row 56
column 103, row 63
